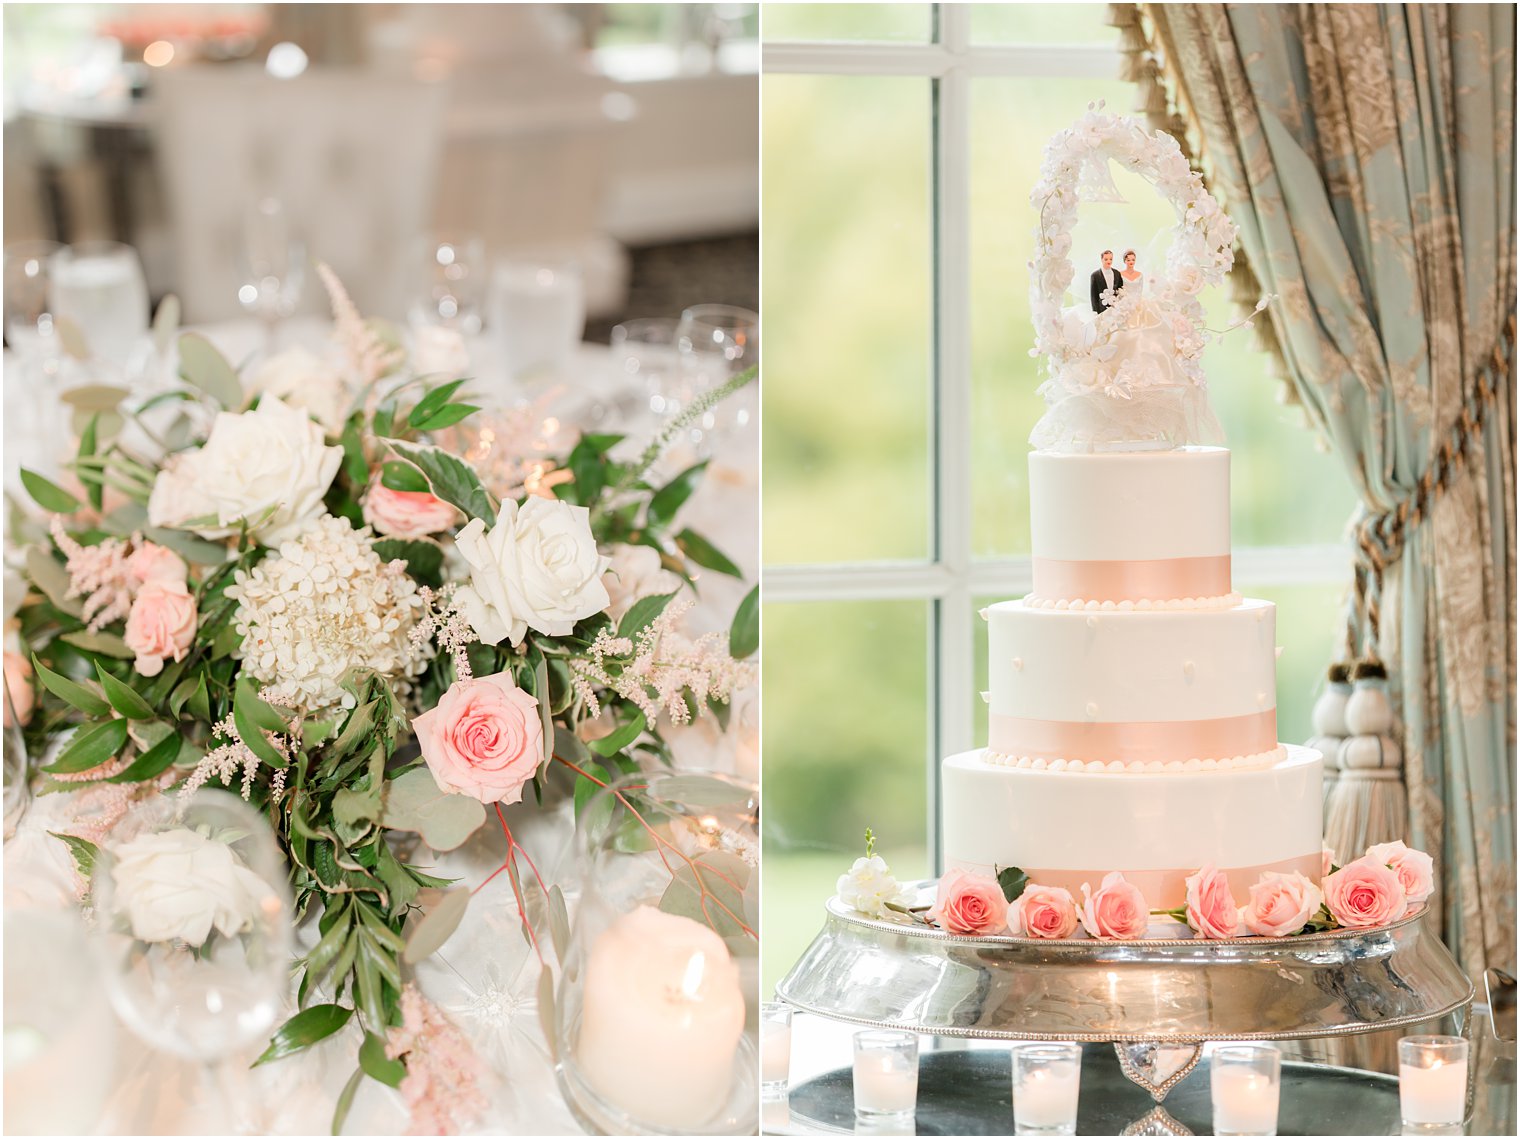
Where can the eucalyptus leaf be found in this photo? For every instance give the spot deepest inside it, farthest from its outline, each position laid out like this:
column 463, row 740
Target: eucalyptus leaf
column 202, row 365
column 546, row 1018
column 703, row 791
column 165, row 323
column 94, row 397
column 436, row 926
column 415, row 802
column 724, row 877
column 48, row 575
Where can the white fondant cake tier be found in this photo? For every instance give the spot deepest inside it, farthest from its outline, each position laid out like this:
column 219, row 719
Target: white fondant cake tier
column 1064, row 828
column 1152, row 525
column 1132, row 686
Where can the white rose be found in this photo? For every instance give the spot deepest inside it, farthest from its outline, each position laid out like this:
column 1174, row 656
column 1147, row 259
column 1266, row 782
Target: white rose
column 308, row 382
column 869, row 886
column 181, row 884
column 537, row 568
column 440, row 351
column 1188, row 278
column 269, row 466
column 634, row 572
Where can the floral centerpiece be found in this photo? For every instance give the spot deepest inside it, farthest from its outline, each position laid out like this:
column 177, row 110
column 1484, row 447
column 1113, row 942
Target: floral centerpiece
column 310, row 567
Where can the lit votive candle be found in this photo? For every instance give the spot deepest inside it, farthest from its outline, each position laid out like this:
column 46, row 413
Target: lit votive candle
column 775, row 1047
column 661, row 1019
column 1432, row 1081
column 886, row 1073
column 1046, row 1083
column 1245, row 1081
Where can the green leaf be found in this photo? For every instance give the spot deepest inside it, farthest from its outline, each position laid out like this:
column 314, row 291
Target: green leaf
column 377, row 1065
column 84, row 852
column 423, row 559
column 434, row 400
column 91, row 746
column 403, row 477
column 153, row 762
column 415, row 802
column 451, row 479
column 704, row 553
column 1012, row 880
column 437, row 926
column 446, row 416
column 355, row 465
column 559, row 922
column 618, row 740
column 123, row 697
column 48, row 575
column 673, row 495
column 744, row 633
column 48, row 495
column 641, row 613
column 202, row 365
column 252, row 717
column 197, row 551
column 589, row 469
column 199, row 703
column 106, row 644
column 94, row 486
column 303, row 1030
column 346, row 1101
column 86, row 698
column 724, row 877
column 703, row 791
column 94, row 397
column 585, row 788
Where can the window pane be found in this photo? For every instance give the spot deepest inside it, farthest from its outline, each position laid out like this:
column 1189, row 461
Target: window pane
column 879, row 23
column 1042, row 24
column 846, row 738
column 1283, row 491
column 847, row 302
column 1310, row 619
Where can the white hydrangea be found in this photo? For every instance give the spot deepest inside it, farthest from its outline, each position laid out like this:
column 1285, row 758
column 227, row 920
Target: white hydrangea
column 869, row 886
column 323, row 604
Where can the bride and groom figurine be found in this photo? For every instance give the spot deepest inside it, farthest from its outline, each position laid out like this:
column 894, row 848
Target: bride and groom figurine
column 1108, row 282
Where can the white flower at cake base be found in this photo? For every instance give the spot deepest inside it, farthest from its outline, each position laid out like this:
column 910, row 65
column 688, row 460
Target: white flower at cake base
column 868, row 886
column 180, row 885
column 304, row 380
column 324, row 604
column 268, row 466
column 537, row 568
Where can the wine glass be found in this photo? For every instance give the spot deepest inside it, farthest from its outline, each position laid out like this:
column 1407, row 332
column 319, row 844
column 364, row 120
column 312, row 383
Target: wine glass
column 17, row 791
column 99, row 287
column 645, row 352
column 274, row 267
column 716, row 343
column 452, row 284
column 28, row 312
column 194, row 928
column 538, row 309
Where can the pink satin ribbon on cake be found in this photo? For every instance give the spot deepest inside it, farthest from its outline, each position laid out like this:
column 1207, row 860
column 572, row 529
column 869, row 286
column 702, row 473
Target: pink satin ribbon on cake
column 1134, row 740
column 1159, row 579
column 1167, row 889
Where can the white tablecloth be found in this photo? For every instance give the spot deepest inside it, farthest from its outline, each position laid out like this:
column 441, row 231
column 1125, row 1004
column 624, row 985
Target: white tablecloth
column 485, row 977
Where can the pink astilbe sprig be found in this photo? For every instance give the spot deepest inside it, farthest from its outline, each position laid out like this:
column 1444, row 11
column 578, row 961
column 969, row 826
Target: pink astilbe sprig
column 234, row 758
column 658, row 666
column 99, row 574
column 441, row 620
column 443, row 1072
column 368, row 355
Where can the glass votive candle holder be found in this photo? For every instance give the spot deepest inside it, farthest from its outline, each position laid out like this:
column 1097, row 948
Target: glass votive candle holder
column 1047, row 1078
column 775, row 1048
column 886, row 1074
column 1432, row 1082
column 1245, row 1081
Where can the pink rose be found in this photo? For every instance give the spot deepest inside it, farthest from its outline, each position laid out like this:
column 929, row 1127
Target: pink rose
column 18, row 684
column 970, row 903
column 1326, row 861
column 484, row 739
column 1364, row 893
column 160, row 625
column 152, row 562
column 1046, row 911
column 1415, row 868
column 1211, row 910
column 407, row 513
column 1117, row 910
column 1281, row 904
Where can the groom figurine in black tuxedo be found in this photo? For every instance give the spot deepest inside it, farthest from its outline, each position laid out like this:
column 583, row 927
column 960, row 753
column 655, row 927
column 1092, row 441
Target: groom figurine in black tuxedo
column 1105, row 279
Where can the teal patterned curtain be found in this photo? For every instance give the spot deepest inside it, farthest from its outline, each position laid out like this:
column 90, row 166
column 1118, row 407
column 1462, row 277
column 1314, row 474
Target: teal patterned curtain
column 1367, row 153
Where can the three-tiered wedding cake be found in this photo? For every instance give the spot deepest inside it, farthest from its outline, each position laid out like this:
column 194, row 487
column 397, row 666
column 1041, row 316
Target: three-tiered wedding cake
column 1132, row 696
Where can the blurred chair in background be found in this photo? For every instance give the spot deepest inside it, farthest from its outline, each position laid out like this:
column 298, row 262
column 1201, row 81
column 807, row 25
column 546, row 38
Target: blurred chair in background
column 352, row 159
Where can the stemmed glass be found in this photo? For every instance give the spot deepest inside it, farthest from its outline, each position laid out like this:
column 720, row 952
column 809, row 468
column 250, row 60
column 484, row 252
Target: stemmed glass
column 451, row 286
column 28, row 312
column 716, row 343
column 645, row 352
column 194, row 929
column 99, row 287
column 274, row 267
column 17, row 791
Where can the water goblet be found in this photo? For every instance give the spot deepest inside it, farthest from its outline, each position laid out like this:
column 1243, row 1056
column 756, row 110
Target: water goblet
column 451, row 285
column 28, row 311
column 274, row 267
column 99, row 288
column 716, row 343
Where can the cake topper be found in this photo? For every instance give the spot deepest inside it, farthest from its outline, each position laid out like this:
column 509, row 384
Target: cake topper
column 1127, row 375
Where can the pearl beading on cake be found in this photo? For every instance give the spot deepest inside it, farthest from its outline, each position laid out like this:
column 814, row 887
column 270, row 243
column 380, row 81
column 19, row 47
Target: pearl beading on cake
column 1147, row 767
column 1144, row 605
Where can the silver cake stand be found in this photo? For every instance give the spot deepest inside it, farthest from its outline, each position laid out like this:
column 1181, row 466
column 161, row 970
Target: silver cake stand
column 1157, row 1001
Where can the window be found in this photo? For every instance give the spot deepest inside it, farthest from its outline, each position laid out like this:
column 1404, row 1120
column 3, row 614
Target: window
column 899, row 144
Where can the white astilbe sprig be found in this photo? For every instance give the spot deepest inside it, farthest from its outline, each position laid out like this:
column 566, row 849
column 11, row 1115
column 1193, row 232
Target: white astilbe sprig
column 368, row 355
column 440, row 620
column 658, row 666
column 233, row 759
column 98, row 574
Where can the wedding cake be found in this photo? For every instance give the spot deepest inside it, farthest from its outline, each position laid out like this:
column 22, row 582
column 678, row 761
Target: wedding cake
column 1132, row 694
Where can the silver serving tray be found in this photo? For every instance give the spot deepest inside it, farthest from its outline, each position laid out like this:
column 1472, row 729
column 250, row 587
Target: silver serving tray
column 901, row 975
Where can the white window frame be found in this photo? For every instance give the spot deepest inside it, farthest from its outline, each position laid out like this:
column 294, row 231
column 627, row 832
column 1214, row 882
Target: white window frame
column 953, row 577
